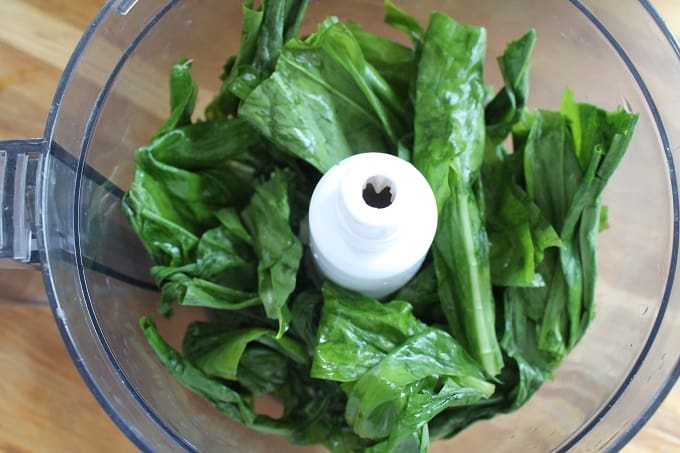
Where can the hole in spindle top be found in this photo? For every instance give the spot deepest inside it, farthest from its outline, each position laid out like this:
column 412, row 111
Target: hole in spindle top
column 379, row 192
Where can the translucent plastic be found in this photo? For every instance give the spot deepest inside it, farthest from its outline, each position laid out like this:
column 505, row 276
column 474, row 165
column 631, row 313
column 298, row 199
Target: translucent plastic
column 114, row 94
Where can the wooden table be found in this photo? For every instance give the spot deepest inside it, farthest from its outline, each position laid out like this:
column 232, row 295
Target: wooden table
column 44, row 404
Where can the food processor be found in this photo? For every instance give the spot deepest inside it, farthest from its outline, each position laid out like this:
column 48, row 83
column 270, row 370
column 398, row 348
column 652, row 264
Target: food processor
column 61, row 209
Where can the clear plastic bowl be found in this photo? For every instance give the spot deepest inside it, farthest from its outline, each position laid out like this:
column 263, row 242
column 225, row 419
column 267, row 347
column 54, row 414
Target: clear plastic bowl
column 114, row 94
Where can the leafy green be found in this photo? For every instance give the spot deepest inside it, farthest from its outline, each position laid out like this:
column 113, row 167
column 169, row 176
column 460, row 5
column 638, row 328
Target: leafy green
column 449, row 149
column 518, row 232
column 544, row 324
column 355, row 333
column 505, row 293
column 264, row 32
column 507, row 107
column 217, row 350
column 203, row 145
column 404, row 384
column 325, row 102
column 221, row 273
column 278, row 249
column 221, row 396
column 402, row 372
column 397, row 64
column 422, row 293
column 305, row 314
column 186, row 174
column 406, row 23
column 596, row 133
column 166, row 242
column 225, row 255
column 520, row 342
column 183, row 94
column 194, row 196
column 170, row 206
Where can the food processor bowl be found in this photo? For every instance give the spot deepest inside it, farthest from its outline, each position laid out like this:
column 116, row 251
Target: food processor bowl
column 65, row 191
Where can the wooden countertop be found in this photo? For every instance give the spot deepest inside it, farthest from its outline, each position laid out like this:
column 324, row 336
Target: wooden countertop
column 44, row 403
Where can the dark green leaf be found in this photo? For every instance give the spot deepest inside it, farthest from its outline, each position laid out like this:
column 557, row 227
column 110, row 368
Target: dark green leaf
column 519, row 234
column 600, row 142
column 183, row 93
column 449, row 149
column 324, row 102
column 278, row 249
column 422, row 293
column 225, row 255
column 186, row 199
column 520, row 342
column 263, row 35
column 568, row 160
column 262, row 370
column 221, row 396
column 403, row 385
column 181, row 285
column 217, row 350
column 305, row 315
column 508, row 105
column 402, row 21
column 356, row 332
column 202, row 293
column 518, row 231
column 394, row 62
column 167, row 242
column 204, row 145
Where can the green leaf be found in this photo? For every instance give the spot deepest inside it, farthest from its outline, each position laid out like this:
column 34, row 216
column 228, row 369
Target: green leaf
column 408, row 24
column 184, row 286
column 450, row 137
column 188, row 199
column 278, row 249
column 356, row 332
column 552, row 175
column 225, row 255
column 422, row 293
column 449, row 149
column 262, row 370
column 520, row 342
column 217, row 350
column 417, row 441
column 600, row 141
column 166, row 242
column 462, row 258
column 568, row 159
column 394, row 62
column 183, row 93
column 324, row 102
column 411, row 432
column 305, row 316
column 404, row 383
column 202, row 293
column 169, row 206
column 263, row 35
column 338, row 42
column 506, row 108
column 518, row 231
column 551, row 169
column 216, row 392
column 203, row 145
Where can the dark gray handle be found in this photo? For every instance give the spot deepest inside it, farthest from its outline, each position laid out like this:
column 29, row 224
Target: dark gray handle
column 20, row 163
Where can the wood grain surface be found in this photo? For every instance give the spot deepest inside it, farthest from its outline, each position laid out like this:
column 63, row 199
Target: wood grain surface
column 44, row 404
